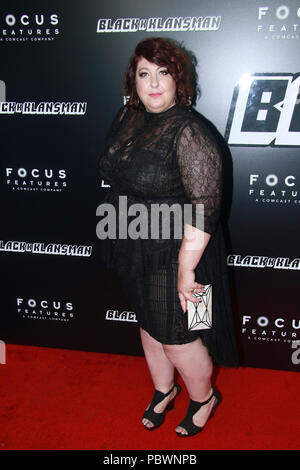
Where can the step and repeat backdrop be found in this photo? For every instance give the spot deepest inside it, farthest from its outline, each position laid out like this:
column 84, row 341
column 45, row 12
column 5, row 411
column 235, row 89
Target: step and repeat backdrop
column 61, row 72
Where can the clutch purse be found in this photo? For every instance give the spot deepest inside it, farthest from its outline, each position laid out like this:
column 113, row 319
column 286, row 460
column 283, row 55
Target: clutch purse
column 199, row 315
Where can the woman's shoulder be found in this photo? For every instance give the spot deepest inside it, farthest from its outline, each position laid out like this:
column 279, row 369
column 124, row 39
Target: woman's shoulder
column 192, row 116
column 192, row 120
column 196, row 123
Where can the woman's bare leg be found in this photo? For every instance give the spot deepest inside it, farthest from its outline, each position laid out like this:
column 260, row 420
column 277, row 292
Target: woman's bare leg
column 161, row 370
column 194, row 365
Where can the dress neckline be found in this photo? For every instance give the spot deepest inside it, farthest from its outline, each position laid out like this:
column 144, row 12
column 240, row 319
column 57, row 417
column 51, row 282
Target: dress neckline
column 167, row 113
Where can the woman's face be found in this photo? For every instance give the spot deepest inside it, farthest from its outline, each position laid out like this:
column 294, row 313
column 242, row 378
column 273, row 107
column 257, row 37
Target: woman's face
column 155, row 87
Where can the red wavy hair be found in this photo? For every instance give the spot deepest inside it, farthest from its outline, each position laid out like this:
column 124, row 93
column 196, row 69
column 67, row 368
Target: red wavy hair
column 165, row 53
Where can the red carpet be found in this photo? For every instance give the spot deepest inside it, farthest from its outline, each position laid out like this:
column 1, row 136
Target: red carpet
column 62, row 399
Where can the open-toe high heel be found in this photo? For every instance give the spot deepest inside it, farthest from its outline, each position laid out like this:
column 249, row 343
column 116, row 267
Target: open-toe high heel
column 158, row 418
column 194, row 406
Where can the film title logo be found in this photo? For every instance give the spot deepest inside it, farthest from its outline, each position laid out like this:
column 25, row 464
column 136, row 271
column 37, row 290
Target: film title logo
column 120, row 316
column 133, row 25
column 265, row 110
column 57, row 249
column 262, row 262
column 49, row 108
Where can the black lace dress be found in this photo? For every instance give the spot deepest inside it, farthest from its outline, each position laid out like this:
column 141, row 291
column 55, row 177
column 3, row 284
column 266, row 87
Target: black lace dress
column 155, row 158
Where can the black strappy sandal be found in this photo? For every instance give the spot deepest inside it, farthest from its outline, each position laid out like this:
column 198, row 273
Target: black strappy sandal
column 187, row 422
column 158, row 418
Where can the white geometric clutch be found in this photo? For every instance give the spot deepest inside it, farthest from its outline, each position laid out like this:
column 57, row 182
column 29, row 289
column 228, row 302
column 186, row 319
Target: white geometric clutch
column 200, row 314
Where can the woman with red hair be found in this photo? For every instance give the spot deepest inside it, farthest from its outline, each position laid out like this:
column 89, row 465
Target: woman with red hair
column 159, row 151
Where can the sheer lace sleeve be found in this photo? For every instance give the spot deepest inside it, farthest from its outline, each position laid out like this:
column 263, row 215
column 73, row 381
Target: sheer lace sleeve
column 201, row 171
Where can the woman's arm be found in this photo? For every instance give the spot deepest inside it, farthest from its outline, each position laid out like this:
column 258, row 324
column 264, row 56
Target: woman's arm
column 191, row 250
column 201, row 171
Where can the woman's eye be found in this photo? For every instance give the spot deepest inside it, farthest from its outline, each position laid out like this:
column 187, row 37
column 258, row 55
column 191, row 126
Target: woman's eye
column 164, row 72
column 142, row 74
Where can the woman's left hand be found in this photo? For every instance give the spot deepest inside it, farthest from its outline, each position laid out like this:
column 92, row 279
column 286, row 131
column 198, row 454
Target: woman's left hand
column 186, row 286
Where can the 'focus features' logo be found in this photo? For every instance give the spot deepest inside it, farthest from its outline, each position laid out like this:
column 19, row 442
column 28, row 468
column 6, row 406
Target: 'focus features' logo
column 279, row 22
column 274, row 189
column 36, row 179
column 37, row 27
column 55, row 310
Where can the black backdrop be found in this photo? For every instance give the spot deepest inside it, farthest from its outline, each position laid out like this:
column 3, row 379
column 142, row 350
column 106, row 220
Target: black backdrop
column 60, row 85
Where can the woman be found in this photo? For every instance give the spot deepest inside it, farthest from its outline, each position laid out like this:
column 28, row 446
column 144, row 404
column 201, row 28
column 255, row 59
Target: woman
column 159, row 152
